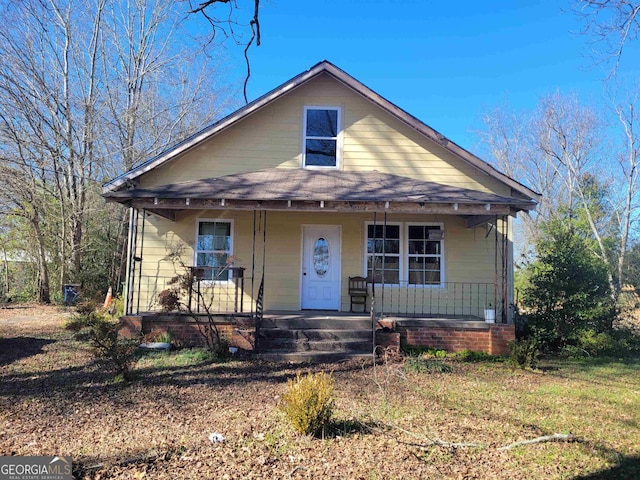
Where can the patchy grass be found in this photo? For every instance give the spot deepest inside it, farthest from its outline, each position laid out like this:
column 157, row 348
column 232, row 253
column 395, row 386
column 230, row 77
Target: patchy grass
column 426, row 365
column 56, row 400
column 188, row 357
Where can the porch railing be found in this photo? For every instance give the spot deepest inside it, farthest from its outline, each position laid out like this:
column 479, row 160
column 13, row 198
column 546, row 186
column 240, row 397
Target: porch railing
column 447, row 300
column 221, row 290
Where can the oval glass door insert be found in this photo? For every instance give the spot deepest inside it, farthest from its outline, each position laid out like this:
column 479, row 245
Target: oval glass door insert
column 321, row 257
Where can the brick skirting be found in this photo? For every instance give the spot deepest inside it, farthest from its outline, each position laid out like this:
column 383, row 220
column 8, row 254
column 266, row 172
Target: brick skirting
column 238, row 331
column 450, row 335
column 492, row 338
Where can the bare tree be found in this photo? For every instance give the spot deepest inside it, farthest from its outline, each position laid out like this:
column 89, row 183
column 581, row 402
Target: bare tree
column 627, row 205
column 611, row 24
column 512, row 143
column 562, row 151
column 89, row 88
column 229, row 27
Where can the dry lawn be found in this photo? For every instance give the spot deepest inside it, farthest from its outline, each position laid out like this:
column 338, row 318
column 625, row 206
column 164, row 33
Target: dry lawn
column 55, row 399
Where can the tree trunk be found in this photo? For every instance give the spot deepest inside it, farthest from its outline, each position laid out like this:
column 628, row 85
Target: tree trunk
column 44, row 295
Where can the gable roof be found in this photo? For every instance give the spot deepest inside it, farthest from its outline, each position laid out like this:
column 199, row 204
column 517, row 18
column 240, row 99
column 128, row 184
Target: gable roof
column 347, row 80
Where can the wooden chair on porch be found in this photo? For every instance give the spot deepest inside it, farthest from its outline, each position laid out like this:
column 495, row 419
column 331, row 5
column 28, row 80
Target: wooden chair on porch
column 358, row 292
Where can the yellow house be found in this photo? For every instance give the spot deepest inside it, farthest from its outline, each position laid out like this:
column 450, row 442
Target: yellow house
column 276, row 209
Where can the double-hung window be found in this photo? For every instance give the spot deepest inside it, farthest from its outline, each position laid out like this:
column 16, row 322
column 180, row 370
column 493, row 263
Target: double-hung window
column 383, row 253
column 214, row 248
column 321, row 128
column 424, row 254
column 405, row 254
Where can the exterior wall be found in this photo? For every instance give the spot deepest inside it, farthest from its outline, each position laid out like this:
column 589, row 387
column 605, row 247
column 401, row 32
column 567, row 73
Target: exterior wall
column 371, row 139
column 469, row 255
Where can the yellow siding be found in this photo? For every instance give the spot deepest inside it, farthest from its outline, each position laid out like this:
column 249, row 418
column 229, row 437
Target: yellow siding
column 468, row 254
column 371, row 139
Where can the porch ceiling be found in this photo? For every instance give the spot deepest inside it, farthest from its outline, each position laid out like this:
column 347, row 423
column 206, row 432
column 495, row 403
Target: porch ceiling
column 319, row 190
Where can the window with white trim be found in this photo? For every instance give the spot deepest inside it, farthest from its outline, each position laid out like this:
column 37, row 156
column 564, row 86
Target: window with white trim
column 214, row 247
column 405, row 254
column 383, row 253
column 321, row 128
column 424, row 254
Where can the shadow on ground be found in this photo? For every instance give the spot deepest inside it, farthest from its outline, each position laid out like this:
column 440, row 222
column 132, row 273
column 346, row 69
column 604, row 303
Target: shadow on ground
column 627, row 469
column 93, row 376
column 15, row 348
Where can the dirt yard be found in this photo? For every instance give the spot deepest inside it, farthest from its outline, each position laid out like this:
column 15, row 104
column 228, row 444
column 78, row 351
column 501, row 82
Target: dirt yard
column 390, row 422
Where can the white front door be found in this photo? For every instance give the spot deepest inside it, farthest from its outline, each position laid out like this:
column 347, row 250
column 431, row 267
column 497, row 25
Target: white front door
column 321, row 267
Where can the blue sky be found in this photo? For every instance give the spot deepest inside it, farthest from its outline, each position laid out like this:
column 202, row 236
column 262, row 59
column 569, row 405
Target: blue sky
column 444, row 62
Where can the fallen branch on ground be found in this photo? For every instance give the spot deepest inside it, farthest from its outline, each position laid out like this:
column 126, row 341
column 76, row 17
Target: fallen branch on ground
column 556, row 437
column 436, row 442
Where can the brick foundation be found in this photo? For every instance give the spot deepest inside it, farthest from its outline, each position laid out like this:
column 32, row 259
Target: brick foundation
column 240, row 332
column 131, row 326
column 490, row 338
column 388, row 341
column 450, row 335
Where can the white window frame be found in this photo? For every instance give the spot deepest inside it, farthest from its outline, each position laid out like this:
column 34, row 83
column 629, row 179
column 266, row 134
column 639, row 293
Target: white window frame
column 400, row 254
column 406, row 243
column 195, row 247
column 337, row 138
column 404, row 253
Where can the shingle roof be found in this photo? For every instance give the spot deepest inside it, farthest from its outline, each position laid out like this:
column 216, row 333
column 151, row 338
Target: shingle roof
column 328, row 185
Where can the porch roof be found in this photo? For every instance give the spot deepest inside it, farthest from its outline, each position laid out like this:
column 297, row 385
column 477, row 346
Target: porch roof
column 296, row 184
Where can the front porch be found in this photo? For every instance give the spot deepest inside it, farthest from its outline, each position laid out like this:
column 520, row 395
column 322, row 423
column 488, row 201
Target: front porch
column 321, row 336
column 289, row 241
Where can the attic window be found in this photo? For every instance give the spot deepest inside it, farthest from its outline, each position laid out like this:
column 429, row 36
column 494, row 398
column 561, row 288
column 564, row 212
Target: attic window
column 321, row 128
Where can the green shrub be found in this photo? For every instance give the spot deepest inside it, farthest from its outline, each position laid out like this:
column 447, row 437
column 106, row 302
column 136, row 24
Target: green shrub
column 619, row 342
column 595, row 343
column 308, row 402
column 566, row 289
column 75, row 324
column 425, row 365
column 116, row 353
column 525, row 352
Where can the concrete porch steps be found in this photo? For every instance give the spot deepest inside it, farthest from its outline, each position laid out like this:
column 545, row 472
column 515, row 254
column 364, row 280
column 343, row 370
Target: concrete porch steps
column 314, row 337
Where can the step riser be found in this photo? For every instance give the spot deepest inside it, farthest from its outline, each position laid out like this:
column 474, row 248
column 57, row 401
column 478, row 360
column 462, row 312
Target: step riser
column 293, row 346
column 313, row 357
column 311, row 335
